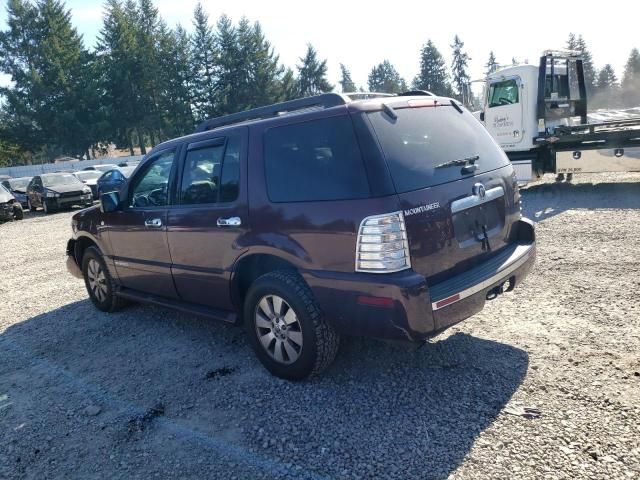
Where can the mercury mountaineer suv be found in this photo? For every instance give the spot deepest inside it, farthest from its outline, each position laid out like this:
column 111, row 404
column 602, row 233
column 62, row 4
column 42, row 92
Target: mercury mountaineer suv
column 393, row 217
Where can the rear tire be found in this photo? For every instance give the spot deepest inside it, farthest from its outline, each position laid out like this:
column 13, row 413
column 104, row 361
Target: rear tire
column 286, row 327
column 99, row 283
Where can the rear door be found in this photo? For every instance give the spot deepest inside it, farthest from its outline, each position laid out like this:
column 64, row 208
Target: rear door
column 455, row 187
column 504, row 110
column 138, row 232
column 210, row 217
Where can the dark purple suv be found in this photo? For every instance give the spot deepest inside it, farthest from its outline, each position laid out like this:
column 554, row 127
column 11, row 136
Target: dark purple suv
column 393, row 217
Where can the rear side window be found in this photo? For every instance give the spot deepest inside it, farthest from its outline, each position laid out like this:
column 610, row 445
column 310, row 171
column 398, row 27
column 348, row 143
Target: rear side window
column 212, row 174
column 314, row 161
column 421, row 140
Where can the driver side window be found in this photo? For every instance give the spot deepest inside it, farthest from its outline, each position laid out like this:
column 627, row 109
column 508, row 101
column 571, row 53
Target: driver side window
column 503, row 93
column 151, row 187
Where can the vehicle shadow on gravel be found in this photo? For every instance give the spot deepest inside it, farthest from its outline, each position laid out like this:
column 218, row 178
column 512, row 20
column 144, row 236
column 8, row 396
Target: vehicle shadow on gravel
column 545, row 200
column 379, row 412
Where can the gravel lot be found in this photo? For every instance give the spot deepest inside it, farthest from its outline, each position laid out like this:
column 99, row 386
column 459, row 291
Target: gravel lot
column 150, row 393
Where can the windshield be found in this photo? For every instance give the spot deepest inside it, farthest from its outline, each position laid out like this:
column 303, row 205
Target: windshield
column 88, row 175
column 58, row 180
column 19, row 183
column 421, row 139
column 104, row 168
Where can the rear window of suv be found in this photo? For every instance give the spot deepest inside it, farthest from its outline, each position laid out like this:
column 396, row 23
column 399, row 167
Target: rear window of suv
column 313, row 161
column 420, row 139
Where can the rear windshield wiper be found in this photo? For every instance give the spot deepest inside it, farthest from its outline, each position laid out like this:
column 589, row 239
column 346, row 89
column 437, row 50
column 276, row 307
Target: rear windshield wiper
column 459, row 162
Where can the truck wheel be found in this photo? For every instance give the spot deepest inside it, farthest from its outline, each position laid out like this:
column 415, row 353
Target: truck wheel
column 18, row 214
column 286, row 327
column 100, row 285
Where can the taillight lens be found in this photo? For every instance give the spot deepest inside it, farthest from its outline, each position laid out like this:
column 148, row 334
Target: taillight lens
column 382, row 244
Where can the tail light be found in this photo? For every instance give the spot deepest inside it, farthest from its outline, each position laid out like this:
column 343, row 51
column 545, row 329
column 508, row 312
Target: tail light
column 382, row 244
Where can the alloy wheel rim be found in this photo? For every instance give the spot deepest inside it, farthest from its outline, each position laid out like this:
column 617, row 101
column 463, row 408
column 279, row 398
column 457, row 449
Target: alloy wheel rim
column 97, row 280
column 278, row 328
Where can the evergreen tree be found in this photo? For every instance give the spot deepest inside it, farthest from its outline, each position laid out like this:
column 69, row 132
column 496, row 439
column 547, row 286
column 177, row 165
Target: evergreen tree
column 177, row 115
column 289, row 85
column 587, row 64
column 459, row 67
column 119, row 64
column 433, row 75
column 607, row 89
column 152, row 75
column 631, row 80
column 385, row 78
column 346, row 83
column 607, row 78
column 492, row 64
column 204, row 60
column 576, row 44
column 49, row 104
column 247, row 69
column 312, row 74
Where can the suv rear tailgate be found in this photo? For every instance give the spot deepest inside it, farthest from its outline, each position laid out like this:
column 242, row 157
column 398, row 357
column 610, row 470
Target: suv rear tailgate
column 455, row 185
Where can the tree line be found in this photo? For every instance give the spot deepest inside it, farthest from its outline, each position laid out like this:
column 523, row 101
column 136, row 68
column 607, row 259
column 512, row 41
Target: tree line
column 145, row 82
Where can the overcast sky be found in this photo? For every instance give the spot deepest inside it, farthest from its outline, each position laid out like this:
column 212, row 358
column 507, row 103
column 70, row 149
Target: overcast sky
column 360, row 35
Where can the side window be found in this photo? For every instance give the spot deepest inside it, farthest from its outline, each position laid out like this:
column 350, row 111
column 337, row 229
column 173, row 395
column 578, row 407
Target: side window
column 107, row 176
column 313, row 161
column 503, row 93
column 150, row 188
column 212, row 174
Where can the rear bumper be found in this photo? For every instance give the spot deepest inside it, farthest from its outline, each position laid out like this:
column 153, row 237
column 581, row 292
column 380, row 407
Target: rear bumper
column 401, row 306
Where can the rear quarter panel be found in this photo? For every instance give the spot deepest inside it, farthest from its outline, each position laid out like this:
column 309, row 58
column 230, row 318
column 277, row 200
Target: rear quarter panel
column 311, row 235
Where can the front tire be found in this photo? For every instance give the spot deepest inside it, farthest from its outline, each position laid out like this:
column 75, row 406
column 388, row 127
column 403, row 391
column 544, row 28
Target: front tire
column 99, row 283
column 286, row 327
column 45, row 207
column 18, row 214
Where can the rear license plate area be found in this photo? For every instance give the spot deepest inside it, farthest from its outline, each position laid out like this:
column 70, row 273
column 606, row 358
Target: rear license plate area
column 471, row 225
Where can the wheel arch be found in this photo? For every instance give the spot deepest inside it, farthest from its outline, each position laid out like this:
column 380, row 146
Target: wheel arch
column 252, row 266
column 80, row 246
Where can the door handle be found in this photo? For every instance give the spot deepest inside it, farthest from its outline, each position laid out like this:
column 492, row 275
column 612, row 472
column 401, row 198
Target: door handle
column 153, row 223
column 229, row 222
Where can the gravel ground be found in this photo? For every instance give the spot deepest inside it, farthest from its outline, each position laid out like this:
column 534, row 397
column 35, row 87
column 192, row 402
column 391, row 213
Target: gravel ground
column 544, row 383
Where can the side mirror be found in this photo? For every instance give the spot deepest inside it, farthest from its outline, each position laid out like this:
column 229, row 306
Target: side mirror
column 482, row 116
column 109, row 202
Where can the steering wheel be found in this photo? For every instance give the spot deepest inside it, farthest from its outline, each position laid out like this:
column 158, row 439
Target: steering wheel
column 504, row 101
column 157, row 197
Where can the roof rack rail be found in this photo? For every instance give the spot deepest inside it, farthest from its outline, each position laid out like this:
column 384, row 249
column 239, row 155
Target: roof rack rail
column 415, row 93
column 325, row 100
column 367, row 95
